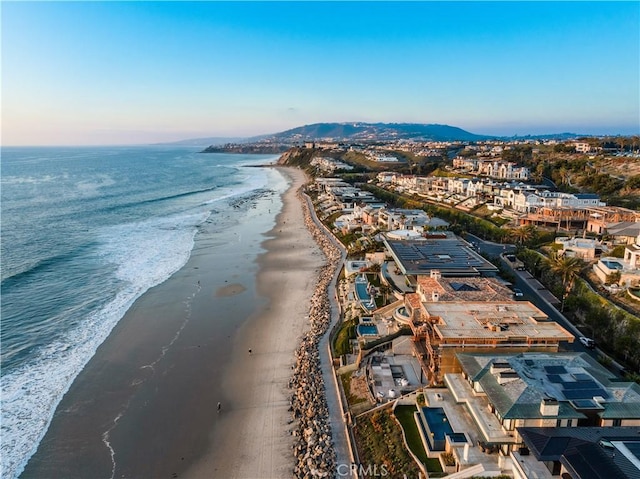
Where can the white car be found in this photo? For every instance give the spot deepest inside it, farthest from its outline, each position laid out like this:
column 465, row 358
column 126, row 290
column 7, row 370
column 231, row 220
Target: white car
column 588, row 342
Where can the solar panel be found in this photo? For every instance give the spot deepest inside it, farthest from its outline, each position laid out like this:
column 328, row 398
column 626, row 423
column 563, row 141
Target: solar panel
column 586, row 404
column 582, row 377
column 634, row 447
column 555, row 378
column 590, row 384
column 555, row 370
column 584, row 393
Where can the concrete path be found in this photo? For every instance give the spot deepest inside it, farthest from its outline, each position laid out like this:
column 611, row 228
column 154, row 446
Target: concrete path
column 336, row 411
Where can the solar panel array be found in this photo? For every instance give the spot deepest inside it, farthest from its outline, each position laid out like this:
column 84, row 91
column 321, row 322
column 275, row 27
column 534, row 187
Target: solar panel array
column 555, row 370
column 581, row 386
column 435, row 254
column 633, row 447
column 584, row 393
column 555, row 378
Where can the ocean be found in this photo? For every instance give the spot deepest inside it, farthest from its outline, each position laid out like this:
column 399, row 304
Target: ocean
column 85, row 232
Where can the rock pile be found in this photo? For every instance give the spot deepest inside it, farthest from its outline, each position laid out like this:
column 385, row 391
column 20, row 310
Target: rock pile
column 313, row 447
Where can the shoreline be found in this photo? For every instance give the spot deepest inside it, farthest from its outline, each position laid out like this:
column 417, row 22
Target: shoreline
column 144, row 406
column 255, row 440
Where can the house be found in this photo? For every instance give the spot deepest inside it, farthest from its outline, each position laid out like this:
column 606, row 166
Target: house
column 450, row 315
column 443, row 252
column 583, row 452
column 582, row 147
column 557, row 390
column 583, row 248
column 623, row 271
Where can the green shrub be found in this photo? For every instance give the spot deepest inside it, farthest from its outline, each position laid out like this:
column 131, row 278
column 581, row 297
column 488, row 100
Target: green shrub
column 347, row 332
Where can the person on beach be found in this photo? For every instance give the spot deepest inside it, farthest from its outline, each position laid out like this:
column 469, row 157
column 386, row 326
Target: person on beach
column 219, row 407
column 250, row 352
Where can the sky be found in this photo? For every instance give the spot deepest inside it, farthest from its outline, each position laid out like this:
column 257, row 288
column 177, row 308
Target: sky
column 100, row 73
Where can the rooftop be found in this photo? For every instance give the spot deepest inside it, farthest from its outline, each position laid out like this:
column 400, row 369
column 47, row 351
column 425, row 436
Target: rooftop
column 589, row 452
column 463, row 289
column 448, row 254
column 513, row 321
column 575, row 380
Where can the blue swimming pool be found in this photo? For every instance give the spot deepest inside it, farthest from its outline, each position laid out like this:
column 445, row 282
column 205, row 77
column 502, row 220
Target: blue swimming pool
column 611, row 264
column 362, row 291
column 367, row 330
column 437, row 426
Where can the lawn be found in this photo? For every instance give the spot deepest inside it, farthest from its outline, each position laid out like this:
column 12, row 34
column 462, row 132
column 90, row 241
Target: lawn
column 404, row 414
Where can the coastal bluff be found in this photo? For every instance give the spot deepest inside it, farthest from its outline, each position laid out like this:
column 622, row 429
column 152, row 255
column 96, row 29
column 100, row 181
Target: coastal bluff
column 248, row 148
column 297, row 156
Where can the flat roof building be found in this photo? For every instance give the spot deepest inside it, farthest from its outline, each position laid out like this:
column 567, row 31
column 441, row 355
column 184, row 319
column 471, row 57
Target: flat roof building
column 443, row 252
column 452, row 315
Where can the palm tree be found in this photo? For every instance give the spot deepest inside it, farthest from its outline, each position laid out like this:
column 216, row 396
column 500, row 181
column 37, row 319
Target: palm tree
column 568, row 269
column 523, row 234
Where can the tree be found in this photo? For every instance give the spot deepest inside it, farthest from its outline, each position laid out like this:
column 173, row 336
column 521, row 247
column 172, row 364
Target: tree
column 523, row 235
column 568, row 269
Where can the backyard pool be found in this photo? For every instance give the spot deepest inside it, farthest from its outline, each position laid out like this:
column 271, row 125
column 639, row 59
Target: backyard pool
column 362, row 291
column 436, row 427
column 367, row 330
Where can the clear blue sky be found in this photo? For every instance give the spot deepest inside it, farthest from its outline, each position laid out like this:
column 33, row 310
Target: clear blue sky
column 137, row 72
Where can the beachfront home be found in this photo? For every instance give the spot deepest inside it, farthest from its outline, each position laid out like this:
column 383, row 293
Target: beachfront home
column 442, row 251
column 452, row 315
column 623, row 271
column 533, row 389
column 519, row 413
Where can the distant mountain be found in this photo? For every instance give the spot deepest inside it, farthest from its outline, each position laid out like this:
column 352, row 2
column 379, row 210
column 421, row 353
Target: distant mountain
column 549, row 136
column 216, row 140
column 374, row 131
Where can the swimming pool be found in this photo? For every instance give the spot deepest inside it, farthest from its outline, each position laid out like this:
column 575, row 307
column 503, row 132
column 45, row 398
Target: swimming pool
column 437, row 427
column 362, row 291
column 367, row 330
column 611, row 264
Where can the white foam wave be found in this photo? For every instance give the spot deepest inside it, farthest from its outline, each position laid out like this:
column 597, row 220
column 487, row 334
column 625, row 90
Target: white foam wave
column 32, row 180
column 92, row 187
column 253, row 179
column 145, row 254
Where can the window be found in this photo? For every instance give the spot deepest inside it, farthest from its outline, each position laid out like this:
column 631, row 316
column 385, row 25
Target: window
column 617, row 422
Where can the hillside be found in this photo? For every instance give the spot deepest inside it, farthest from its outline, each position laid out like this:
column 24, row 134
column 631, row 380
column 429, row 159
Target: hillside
column 375, row 132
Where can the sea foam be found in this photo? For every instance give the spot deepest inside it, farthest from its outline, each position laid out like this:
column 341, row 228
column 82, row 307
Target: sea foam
column 141, row 254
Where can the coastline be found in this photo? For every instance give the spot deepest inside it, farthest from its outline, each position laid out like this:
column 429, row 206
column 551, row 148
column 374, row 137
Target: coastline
column 255, row 437
column 145, row 404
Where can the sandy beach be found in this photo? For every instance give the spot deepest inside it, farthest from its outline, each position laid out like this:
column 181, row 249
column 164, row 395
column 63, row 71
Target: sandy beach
column 145, row 405
column 253, row 439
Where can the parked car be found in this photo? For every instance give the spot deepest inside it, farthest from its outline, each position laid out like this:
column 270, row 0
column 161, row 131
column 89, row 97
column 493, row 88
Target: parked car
column 588, row 342
column 517, row 293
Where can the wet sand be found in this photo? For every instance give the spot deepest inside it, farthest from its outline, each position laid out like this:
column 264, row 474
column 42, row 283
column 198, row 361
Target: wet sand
column 145, row 405
column 253, row 440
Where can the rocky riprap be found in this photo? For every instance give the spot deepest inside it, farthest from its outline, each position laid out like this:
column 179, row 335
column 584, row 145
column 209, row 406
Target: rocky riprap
column 313, row 446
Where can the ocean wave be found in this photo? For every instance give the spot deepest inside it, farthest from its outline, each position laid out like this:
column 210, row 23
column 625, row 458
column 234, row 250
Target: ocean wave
column 31, row 269
column 146, row 254
column 133, row 250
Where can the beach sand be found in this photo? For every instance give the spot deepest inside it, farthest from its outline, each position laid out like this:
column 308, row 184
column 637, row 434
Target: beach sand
column 145, row 405
column 253, row 440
